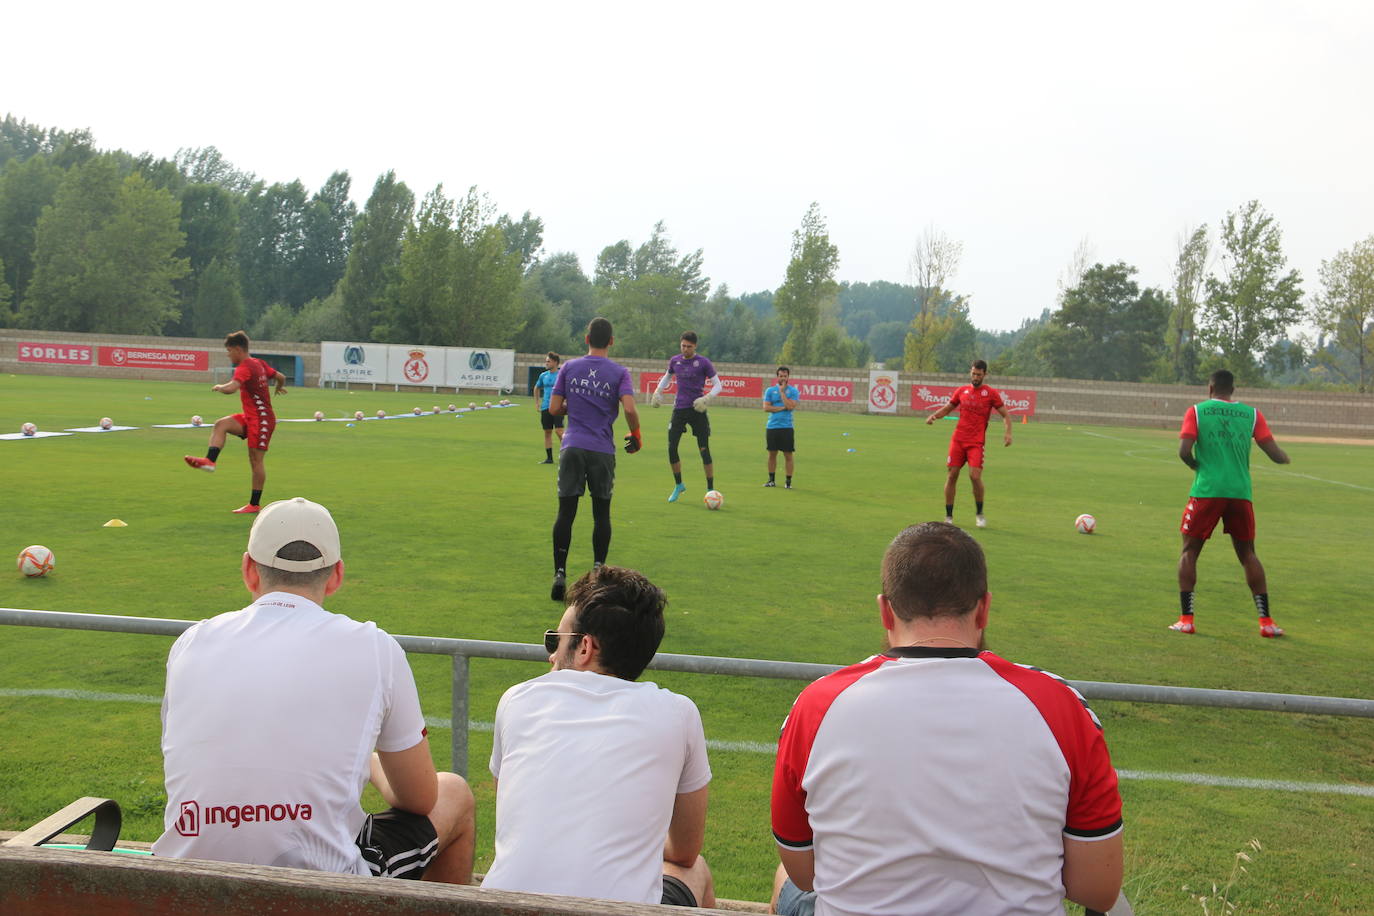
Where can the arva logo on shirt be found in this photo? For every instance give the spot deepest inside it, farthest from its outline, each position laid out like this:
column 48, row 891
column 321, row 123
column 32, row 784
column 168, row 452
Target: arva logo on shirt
column 188, row 824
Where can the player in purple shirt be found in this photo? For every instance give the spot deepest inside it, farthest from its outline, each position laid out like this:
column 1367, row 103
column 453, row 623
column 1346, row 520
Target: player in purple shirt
column 590, row 391
column 693, row 372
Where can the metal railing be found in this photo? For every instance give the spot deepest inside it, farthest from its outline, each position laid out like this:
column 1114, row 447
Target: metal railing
column 461, row 650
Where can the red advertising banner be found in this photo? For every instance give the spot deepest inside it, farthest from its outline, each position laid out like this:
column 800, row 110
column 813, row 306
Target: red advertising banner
column 933, row 397
column 67, row 354
column 153, row 358
column 823, row 389
column 731, row 386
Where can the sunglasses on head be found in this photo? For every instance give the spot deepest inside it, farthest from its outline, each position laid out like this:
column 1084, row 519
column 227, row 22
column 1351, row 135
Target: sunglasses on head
column 551, row 640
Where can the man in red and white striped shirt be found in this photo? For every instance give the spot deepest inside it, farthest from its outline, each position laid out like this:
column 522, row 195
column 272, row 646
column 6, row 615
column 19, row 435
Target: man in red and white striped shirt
column 937, row 777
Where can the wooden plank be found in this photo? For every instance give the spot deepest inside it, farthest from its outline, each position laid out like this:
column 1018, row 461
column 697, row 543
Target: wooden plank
column 39, row 882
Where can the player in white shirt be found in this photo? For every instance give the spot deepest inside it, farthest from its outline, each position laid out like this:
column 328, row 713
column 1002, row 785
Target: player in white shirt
column 276, row 716
column 602, row 781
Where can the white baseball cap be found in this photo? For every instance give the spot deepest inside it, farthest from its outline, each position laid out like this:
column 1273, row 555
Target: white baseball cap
column 289, row 520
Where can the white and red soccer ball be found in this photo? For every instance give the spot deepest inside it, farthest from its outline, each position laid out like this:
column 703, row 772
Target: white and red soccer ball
column 436, row 408
column 417, row 411
column 35, row 561
column 713, row 499
column 357, row 414
column 106, row 423
column 381, row 415
column 28, row 429
column 319, row 415
column 1085, row 524
column 453, row 408
column 488, row 403
column 196, row 420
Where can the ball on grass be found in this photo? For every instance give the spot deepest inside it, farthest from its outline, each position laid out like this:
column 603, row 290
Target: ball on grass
column 35, row 561
column 1085, row 524
column 319, row 415
column 196, row 420
column 106, row 423
column 28, row 429
column 713, row 499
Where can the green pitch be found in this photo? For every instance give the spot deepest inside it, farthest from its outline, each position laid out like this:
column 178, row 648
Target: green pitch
column 446, row 528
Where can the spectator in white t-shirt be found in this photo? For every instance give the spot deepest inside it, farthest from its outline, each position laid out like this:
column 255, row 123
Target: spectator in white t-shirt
column 601, row 781
column 276, row 716
column 936, row 777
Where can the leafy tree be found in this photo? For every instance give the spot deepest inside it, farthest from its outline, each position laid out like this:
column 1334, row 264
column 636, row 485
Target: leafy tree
column 934, row 262
column 1107, row 328
column 887, row 340
column 732, row 332
column 6, row 314
column 1022, row 356
column 649, row 293
column 525, row 238
column 271, row 238
column 106, row 255
column 568, row 290
column 1254, row 302
column 425, row 290
column 26, row 187
column 215, row 305
column 1345, row 309
column 541, row 328
column 207, row 165
column 21, row 141
column 326, row 239
column 487, row 277
column 1190, row 279
column 808, row 296
column 372, row 272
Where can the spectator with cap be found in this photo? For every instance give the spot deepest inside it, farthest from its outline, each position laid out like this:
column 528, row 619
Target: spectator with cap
column 276, row 716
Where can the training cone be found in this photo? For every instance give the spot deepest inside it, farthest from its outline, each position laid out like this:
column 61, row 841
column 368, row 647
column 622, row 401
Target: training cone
column 115, row 523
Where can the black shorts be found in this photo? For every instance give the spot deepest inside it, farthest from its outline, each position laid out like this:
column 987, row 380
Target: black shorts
column 684, row 417
column 549, row 421
column 397, row 844
column 779, row 439
column 675, row 893
column 580, row 468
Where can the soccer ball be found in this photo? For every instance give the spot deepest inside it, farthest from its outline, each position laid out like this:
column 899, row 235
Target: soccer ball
column 488, row 403
column 381, row 415
column 196, row 420
column 357, row 415
column 319, row 415
column 436, row 408
column 106, row 423
column 505, row 402
column 453, row 408
column 417, row 411
column 28, row 429
column 472, row 405
column 35, row 561
column 713, row 499
column 1085, row 524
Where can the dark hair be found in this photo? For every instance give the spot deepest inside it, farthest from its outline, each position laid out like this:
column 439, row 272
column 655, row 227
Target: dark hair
column 934, row 570
column 785, row 369
column 1223, row 382
column 236, row 339
column 273, row 578
column 555, row 357
column 599, row 333
column 624, row 611
column 980, row 364
column 689, row 336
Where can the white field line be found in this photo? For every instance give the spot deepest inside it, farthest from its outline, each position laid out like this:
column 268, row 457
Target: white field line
column 1134, row 453
column 764, row 747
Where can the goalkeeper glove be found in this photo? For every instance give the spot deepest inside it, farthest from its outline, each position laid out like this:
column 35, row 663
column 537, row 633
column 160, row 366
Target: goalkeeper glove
column 703, row 402
column 633, row 442
column 657, row 399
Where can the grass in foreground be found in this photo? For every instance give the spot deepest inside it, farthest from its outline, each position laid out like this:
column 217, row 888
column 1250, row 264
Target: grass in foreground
column 445, row 527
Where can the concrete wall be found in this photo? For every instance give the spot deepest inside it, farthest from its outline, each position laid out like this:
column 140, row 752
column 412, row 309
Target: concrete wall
column 1294, row 412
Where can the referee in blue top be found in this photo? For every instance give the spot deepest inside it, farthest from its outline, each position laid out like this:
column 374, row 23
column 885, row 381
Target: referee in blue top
column 779, row 401
column 543, row 390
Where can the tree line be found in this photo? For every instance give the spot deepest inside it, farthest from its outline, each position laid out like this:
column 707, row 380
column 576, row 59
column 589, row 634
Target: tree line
column 105, row 241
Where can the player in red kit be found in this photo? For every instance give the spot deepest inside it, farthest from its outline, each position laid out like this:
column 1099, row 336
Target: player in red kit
column 252, row 380
column 975, row 403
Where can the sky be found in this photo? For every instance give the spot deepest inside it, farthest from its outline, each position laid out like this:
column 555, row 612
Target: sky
column 1021, row 130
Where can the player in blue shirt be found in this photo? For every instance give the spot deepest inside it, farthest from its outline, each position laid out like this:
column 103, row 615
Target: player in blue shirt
column 543, row 390
column 692, row 372
column 779, row 401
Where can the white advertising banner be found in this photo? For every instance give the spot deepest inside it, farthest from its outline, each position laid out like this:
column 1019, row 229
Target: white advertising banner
column 475, row 367
column 352, row 362
column 415, row 365
column 882, row 391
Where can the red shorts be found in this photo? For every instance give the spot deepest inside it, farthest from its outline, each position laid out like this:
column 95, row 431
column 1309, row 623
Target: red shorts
column 1203, row 513
column 257, row 431
column 961, row 453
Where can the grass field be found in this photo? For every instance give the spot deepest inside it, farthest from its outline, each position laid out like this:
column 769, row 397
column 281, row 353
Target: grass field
column 445, row 525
